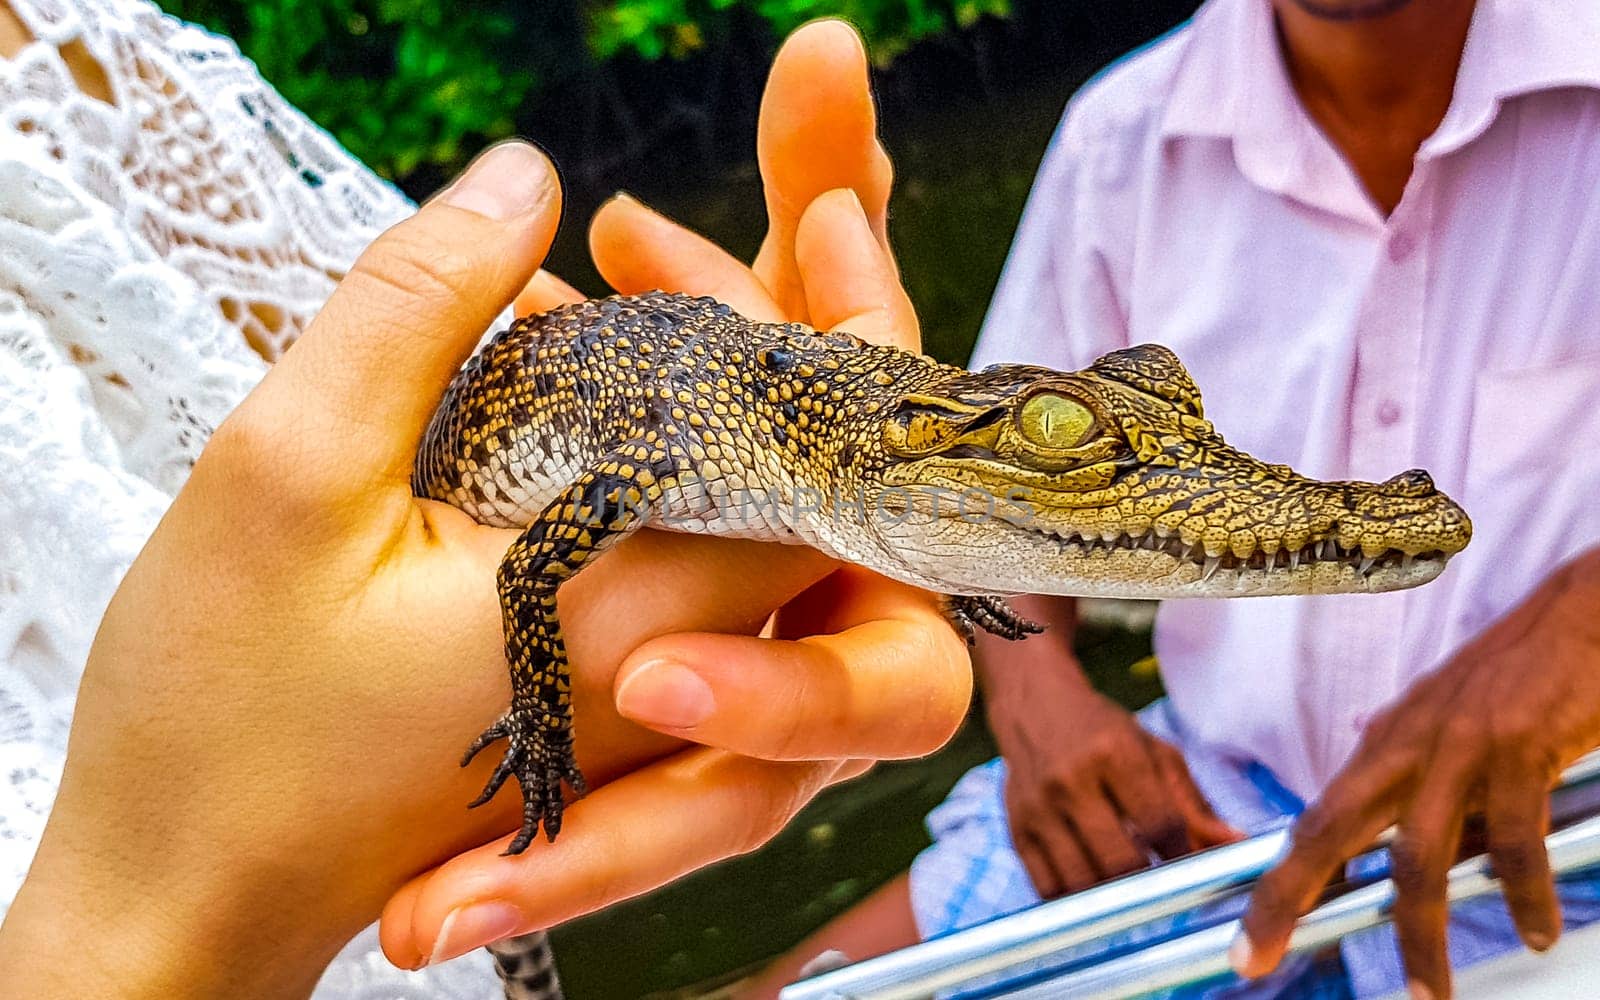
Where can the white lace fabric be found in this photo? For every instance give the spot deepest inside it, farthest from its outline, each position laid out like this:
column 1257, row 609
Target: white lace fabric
column 156, row 253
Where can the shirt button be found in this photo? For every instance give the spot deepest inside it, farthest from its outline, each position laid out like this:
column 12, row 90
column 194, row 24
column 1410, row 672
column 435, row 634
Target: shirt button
column 1401, row 246
column 1388, row 413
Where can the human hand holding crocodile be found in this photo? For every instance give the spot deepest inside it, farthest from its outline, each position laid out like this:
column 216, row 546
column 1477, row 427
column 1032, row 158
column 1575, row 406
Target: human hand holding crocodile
column 1490, row 730
column 824, row 259
column 262, row 750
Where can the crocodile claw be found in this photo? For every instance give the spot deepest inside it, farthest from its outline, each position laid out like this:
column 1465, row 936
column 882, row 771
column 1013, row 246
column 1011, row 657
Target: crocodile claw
column 968, row 614
column 540, row 759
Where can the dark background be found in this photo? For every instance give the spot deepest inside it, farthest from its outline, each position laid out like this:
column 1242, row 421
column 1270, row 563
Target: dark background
column 659, row 98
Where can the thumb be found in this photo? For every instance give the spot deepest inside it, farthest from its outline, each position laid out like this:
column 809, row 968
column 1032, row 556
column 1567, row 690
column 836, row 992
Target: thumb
column 367, row 375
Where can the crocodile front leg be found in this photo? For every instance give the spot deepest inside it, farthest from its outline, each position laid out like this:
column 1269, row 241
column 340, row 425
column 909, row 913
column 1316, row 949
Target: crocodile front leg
column 604, row 504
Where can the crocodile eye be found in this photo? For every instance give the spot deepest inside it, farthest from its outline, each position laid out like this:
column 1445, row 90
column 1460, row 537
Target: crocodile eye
column 1052, row 421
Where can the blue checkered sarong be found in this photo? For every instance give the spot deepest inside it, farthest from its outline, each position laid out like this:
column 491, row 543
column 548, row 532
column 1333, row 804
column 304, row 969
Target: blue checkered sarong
column 972, row 874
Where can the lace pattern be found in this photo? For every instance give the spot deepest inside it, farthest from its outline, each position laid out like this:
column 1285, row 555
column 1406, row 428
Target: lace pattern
column 156, row 252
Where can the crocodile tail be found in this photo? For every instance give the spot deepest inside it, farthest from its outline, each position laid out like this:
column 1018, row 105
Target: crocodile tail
column 527, row 967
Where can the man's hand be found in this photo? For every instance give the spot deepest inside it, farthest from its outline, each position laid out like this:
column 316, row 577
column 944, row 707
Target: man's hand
column 1490, row 730
column 1090, row 795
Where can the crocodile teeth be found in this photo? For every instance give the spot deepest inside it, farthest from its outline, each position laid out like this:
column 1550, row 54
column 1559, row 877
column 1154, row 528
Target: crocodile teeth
column 1094, row 543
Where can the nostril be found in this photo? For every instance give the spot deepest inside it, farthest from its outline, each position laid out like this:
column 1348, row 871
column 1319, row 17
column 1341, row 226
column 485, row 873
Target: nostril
column 1412, row 482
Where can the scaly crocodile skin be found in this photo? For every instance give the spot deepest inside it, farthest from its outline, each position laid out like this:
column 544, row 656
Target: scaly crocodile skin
column 585, row 423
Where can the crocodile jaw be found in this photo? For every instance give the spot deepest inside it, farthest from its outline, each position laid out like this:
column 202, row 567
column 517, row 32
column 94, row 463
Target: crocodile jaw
column 1012, row 559
column 1134, row 568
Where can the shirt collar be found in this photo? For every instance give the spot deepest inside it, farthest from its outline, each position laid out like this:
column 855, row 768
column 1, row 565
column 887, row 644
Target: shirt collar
column 1517, row 47
column 1231, row 83
column 1217, row 69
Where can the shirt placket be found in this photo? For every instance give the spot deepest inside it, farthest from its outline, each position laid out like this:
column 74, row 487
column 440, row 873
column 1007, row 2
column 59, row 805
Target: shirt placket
column 1385, row 403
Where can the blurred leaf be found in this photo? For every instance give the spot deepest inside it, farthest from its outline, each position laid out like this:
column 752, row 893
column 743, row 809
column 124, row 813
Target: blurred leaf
column 652, row 29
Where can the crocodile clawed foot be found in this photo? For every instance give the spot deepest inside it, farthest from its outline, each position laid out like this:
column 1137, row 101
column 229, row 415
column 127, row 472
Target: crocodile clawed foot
column 541, row 759
column 968, row 614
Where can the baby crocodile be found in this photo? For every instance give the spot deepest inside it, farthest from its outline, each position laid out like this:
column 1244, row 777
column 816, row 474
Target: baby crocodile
column 587, row 422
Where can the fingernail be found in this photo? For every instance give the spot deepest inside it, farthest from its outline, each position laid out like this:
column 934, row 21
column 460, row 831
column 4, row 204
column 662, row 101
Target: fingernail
column 468, row 928
column 841, row 23
column 860, row 212
column 510, row 180
column 1418, row 991
column 1540, row 941
column 630, row 202
column 852, row 201
column 665, row 694
column 1240, row 954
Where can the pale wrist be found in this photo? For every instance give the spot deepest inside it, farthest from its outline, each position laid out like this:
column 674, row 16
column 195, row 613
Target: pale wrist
column 131, row 937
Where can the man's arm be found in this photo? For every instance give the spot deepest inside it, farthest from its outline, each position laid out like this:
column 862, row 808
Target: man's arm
column 1490, row 730
column 1090, row 794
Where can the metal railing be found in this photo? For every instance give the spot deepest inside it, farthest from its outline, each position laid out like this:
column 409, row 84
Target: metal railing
column 1020, row 946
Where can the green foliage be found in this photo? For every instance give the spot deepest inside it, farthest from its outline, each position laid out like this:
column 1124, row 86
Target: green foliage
column 409, row 84
column 653, row 29
column 401, row 83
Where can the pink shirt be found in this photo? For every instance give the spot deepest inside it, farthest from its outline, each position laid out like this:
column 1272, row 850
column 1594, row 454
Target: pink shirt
column 1188, row 199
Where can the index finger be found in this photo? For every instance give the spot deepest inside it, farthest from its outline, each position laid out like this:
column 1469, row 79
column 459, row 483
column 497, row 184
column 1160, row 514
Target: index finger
column 636, row 249
column 545, row 292
column 1350, row 815
column 1518, row 813
column 1142, row 797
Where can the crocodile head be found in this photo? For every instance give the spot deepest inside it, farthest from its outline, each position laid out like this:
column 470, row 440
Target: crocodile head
column 1111, row 482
